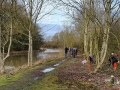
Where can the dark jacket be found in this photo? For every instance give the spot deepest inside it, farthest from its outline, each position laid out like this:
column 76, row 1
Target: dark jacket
column 66, row 50
column 113, row 59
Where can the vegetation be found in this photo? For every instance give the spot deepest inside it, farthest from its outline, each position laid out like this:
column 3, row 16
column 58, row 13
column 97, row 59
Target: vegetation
column 68, row 76
column 25, row 75
column 19, row 29
column 94, row 29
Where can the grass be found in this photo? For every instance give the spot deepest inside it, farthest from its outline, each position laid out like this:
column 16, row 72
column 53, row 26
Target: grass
column 9, row 78
column 48, row 83
column 51, row 82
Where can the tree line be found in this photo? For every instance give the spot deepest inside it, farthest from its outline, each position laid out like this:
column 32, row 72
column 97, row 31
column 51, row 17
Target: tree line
column 18, row 27
column 94, row 29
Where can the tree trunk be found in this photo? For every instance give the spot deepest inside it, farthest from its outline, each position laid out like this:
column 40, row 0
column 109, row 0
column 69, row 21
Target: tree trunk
column 103, row 50
column 30, row 50
column 86, row 36
column 31, row 62
column 2, row 59
column 106, row 34
column 1, row 68
column 30, row 36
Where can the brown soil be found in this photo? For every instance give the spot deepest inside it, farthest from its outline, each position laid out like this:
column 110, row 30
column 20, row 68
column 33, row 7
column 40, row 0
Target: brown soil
column 73, row 74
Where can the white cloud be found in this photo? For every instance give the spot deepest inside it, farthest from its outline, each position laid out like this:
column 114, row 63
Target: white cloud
column 58, row 16
column 54, row 19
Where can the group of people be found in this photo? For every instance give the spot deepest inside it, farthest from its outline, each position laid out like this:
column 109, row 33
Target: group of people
column 71, row 51
column 113, row 60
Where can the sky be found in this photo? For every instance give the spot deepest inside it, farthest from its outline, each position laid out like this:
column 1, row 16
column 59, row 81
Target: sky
column 52, row 24
column 50, row 29
column 58, row 17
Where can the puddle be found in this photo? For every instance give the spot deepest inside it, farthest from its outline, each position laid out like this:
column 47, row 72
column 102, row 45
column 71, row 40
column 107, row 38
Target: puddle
column 48, row 69
column 51, row 68
column 57, row 64
column 63, row 60
column 36, row 78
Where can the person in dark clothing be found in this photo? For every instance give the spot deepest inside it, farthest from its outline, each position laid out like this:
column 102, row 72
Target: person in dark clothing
column 91, row 58
column 74, row 52
column 66, row 51
column 113, row 60
column 110, row 59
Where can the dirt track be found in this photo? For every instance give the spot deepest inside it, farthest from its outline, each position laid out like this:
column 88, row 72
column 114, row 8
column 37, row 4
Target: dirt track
column 73, row 71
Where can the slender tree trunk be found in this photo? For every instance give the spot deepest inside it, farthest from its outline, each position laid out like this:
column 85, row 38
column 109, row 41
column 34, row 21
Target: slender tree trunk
column 91, row 45
column 86, row 36
column 106, row 36
column 104, row 49
column 30, row 50
column 0, row 35
column 1, row 67
column 30, row 36
column 2, row 60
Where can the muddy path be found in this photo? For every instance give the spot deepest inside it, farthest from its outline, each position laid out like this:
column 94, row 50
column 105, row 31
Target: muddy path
column 72, row 74
column 30, row 78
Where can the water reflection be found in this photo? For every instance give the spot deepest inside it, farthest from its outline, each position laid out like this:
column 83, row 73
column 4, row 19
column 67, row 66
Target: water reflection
column 9, row 67
column 51, row 50
column 42, row 55
column 48, row 69
column 57, row 64
column 47, row 53
column 21, row 59
column 36, row 78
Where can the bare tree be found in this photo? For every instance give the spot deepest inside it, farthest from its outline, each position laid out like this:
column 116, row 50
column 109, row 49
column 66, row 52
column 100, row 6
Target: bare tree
column 1, row 2
column 2, row 57
column 36, row 10
column 109, row 7
column 95, row 21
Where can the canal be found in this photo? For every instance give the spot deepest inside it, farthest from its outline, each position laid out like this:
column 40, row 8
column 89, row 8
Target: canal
column 18, row 60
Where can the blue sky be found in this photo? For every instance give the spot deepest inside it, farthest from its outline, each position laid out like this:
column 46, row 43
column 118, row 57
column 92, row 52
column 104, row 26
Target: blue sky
column 58, row 17
column 53, row 23
column 50, row 29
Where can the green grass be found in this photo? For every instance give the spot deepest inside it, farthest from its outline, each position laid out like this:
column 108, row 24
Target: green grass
column 48, row 83
column 8, row 79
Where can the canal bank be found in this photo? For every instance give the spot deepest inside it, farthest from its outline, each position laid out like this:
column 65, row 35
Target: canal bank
column 19, row 60
column 71, row 74
column 25, row 78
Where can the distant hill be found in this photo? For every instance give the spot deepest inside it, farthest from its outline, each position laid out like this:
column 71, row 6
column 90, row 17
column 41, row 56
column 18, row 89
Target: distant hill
column 50, row 29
